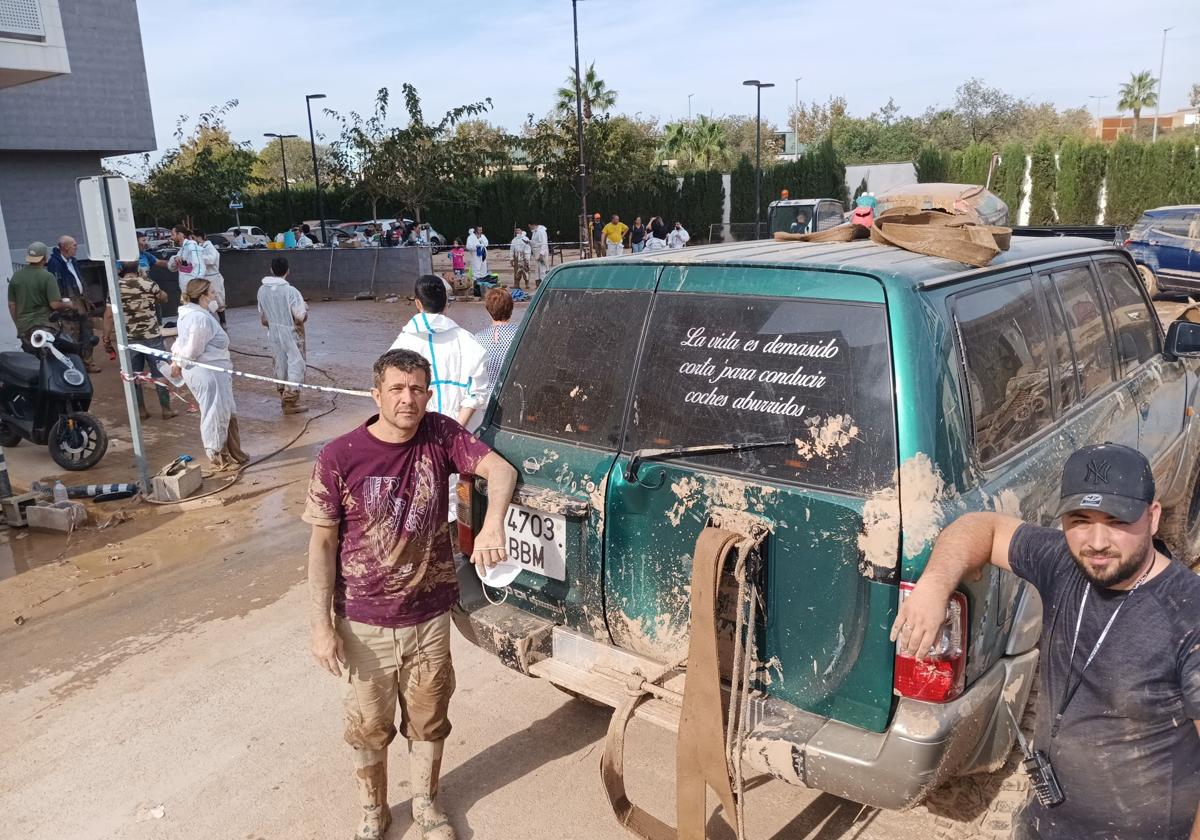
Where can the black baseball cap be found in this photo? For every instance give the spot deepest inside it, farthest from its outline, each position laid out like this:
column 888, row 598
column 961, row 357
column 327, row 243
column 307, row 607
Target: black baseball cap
column 1107, row 477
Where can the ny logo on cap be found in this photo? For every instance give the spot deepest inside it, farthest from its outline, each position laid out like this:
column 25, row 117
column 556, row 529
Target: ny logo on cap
column 1091, row 500
column 1097, row 472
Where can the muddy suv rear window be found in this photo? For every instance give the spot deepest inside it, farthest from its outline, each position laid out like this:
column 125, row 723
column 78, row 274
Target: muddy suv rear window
column 571, row 376
column 721, row 369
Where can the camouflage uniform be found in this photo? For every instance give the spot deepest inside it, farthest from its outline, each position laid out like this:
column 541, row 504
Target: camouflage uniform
column 139, row 303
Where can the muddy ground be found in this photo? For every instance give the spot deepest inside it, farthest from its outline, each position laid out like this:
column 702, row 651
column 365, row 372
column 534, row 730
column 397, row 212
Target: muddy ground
column 155, row 680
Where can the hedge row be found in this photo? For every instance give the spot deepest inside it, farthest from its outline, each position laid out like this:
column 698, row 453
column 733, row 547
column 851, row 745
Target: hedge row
column 1066, row 184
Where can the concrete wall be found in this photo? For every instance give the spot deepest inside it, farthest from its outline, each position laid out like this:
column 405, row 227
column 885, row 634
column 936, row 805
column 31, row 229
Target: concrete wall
column 103, row 104
column 37, row 190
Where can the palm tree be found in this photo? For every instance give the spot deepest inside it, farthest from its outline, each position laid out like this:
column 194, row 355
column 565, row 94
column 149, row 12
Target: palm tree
column 709, row 145
column 1138, row 93
column 597, row 97
column 676, row 141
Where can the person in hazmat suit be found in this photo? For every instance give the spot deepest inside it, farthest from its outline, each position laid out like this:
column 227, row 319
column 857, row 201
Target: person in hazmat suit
column 282, row 310
column 201, row 339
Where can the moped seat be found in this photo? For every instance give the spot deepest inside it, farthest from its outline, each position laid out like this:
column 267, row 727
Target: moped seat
column 18, row 366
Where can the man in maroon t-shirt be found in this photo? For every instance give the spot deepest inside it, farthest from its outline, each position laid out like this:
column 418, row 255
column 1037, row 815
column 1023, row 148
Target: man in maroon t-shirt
column 381, row 575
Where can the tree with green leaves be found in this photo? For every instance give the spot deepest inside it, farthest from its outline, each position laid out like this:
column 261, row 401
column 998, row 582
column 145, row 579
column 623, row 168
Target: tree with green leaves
column 1138, row 93
column 696, row 144
column 596, row 96
column 1080, row 176
column 1009, row 179
column 268, row 165
column 931, row 165
column 1043, row 183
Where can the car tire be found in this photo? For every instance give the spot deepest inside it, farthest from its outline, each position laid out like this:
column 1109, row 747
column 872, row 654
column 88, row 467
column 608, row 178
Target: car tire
column 1149, row 279
column 9, row 437
column 985, row 806
column 1180, row 525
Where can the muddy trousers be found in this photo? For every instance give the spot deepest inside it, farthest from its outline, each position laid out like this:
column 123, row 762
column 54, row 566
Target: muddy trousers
column 409, row 666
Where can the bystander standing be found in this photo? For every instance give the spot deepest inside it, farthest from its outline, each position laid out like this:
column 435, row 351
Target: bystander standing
column 282, row 310
column 76, row 318
column 33, row 294
column 140, row 297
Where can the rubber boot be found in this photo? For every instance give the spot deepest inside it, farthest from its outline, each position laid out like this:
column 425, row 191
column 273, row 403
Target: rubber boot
column 370, row 775
column 164, row 402
column 141, row 401
column 233, row 442
column 425, row 766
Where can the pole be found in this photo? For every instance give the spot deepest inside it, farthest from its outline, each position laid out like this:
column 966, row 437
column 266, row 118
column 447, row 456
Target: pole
column 758, row 164
column 114, row 295
column 585, row 233
column 287, row 197
column 690, row 95
column 1158, row 99
column 312, row 139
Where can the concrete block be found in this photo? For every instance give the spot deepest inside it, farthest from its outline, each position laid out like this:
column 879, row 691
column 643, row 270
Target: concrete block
column 172, row 488
column 63, row 516
column 13, row 508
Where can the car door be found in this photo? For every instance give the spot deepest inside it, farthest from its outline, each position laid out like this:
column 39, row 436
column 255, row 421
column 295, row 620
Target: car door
column 1158, row 386
column 557, row 417
column 1169, row 235
column 783, row 364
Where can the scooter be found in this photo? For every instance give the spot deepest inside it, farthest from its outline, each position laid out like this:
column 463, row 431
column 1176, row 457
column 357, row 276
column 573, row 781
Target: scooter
column 44, row 398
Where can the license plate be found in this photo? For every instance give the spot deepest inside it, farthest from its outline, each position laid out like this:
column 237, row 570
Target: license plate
column 536, row 541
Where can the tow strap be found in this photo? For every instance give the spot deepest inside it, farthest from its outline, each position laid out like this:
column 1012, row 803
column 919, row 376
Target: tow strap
column 709, row 742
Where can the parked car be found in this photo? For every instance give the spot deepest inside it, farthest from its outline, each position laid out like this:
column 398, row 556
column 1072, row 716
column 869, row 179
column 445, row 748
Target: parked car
column 331, row 228
column 974, row 200
column 156, row 237
column 1165, row 244
column 816, row 214
column 255, row 234
column 880, row 394
column 219, row 240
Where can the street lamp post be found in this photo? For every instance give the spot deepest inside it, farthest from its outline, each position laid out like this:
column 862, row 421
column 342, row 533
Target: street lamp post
column 690, row 95
column 796, row 104
column 1158, row 99
column 585, row 234
column 312, row 139
column 755, row 83
column 287, row 197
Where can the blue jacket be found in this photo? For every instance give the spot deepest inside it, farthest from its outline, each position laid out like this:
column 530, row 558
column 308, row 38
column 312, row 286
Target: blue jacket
column 57, row 265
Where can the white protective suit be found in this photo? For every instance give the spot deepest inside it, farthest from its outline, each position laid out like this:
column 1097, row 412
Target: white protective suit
column 457, row 360
column 539, row 259
column 212, row 271
column 280, row 304
column 479, row 268
column 519, row 249
column 677, row 238
column 189, row 262
column 201, row 339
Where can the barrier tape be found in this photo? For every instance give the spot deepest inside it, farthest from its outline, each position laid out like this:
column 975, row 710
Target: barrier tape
column 158, row 382
column 166, row 354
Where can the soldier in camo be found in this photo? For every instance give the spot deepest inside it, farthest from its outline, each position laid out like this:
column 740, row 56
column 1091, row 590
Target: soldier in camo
column 140, row 297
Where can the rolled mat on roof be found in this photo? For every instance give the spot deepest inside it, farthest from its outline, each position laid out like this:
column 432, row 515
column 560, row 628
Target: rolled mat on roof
column 934, row 233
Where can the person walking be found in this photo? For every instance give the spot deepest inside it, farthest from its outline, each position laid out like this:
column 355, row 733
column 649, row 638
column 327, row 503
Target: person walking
column 1118, row 717
column 201, row 339
column 382, row 581
column 211, row 258
column 519, row 252
column 678, row 237
column 140, row 297
column 495, row 340
column 76, row 318
column 33, row 294
column 282, row 310
column 539, row 259
column 614, row 236
column 637, row 236
column 188, row 260
column 597, row 236
column 477, row 245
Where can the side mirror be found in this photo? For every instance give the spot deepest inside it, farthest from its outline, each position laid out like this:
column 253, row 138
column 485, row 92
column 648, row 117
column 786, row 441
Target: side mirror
column 1183, row 341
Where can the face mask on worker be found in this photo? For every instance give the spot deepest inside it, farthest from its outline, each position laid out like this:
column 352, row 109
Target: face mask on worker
column 213, row 306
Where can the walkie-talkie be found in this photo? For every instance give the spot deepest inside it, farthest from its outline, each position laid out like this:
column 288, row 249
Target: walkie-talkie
column 1038, row 768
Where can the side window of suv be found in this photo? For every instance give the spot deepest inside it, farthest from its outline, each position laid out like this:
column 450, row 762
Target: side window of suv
column 1087, row 328
column 1006, row 356
column 1137, row 331
column 829, row 214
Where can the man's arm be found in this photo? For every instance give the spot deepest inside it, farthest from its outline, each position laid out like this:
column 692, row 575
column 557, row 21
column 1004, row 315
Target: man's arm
column 12, row 311
column 501, row 482
column 964, row 547
column 322, row 564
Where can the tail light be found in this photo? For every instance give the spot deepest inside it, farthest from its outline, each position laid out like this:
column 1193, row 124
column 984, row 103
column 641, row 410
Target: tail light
column 1126, row 243
column 466, row 537
column 942, row 675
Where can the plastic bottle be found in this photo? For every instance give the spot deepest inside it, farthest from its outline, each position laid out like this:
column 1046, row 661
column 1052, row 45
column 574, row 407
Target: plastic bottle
column 60, row 492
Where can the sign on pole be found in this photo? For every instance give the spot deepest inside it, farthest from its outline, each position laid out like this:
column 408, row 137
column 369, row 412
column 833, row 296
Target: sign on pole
column 107, row 213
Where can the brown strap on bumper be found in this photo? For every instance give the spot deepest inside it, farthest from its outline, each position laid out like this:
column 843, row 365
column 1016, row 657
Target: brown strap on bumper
column 700, row 755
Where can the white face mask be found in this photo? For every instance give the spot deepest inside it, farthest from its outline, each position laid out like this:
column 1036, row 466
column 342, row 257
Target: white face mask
column 213, row 306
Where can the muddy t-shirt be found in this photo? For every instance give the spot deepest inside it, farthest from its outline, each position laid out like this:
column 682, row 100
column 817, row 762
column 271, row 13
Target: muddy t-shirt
column 389, row 502
column 1126, row 753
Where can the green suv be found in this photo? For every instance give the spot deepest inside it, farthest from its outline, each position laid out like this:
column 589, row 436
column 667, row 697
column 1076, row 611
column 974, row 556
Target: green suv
column 883, row 393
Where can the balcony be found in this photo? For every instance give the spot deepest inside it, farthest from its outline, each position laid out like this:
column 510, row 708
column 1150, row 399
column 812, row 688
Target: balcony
column 32, row 43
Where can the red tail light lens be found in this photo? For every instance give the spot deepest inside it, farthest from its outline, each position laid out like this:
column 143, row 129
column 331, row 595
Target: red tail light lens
column 466, row 537
column 941, row 676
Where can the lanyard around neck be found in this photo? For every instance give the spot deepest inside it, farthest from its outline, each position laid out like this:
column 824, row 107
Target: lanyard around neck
column 1071, row 688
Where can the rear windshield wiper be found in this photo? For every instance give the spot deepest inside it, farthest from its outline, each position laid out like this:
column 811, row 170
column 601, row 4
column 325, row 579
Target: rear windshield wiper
column 641, row 455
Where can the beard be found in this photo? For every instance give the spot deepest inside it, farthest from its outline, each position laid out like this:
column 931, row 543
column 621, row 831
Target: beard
column 1124, row 570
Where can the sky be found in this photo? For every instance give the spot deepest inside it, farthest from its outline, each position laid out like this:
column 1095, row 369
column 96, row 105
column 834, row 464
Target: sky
column 654, row 55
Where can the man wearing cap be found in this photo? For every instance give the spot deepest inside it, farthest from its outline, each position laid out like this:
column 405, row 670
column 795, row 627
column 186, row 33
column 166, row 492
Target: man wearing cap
column 33, row 294
column 1118, row 714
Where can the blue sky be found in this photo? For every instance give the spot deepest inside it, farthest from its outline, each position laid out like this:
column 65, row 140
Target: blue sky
column 654, row 55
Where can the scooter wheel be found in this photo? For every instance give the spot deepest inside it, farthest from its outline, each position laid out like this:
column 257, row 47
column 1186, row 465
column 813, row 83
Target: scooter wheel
column 77, row 441
column 8, row 436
